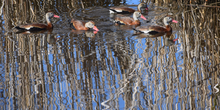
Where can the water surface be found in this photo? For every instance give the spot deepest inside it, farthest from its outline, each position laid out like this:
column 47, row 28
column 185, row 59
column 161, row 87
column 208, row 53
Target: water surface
column 111, row 69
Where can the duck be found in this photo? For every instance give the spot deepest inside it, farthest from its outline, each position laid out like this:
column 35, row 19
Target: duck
column 81, row 25
column 154, row 30
column 126, row 10
column 38, row 26
column 125, row 20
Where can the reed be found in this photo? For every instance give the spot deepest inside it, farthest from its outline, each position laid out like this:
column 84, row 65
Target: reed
column 103, row 72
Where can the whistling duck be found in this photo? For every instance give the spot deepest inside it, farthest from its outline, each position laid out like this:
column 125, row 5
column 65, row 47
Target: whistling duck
column 155, row 31
column 38, row 26
column 125, row 10
column 81, row 25
column 125, row 20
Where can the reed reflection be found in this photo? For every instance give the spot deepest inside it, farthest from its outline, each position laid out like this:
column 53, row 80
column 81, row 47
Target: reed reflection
column 109, row 69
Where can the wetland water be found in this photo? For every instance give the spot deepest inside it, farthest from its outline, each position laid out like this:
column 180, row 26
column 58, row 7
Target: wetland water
column 111, row 69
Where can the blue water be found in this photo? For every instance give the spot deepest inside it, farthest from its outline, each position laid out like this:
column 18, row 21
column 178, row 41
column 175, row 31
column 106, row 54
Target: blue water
column 112, row 69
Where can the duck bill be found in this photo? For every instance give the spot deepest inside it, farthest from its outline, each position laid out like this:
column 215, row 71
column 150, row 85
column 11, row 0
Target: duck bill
column 143, row 17
column 95, row 28
column 56, row 16
column 95, row 32
column 174, row 21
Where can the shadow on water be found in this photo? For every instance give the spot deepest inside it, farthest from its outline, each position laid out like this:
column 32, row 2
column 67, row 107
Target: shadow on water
column 110, row 69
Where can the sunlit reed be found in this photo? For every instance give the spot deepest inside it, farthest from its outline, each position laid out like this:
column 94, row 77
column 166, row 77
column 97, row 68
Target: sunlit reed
column 112, row 69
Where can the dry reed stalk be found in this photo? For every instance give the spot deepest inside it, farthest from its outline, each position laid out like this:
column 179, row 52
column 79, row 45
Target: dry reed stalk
column 82, row 4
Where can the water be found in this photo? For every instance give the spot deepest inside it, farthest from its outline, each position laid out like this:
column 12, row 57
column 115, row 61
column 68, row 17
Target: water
column 111, row 69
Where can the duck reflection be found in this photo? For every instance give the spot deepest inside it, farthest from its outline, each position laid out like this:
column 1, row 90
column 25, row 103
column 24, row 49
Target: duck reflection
column 90, row 34
column 52, row 39
column 87, row 33
column 169, row 40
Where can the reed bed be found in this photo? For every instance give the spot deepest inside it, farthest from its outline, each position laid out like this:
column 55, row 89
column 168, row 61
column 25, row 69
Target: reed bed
column 109, row 71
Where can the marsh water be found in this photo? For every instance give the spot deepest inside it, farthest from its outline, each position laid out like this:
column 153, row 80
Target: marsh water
column 112, row 69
